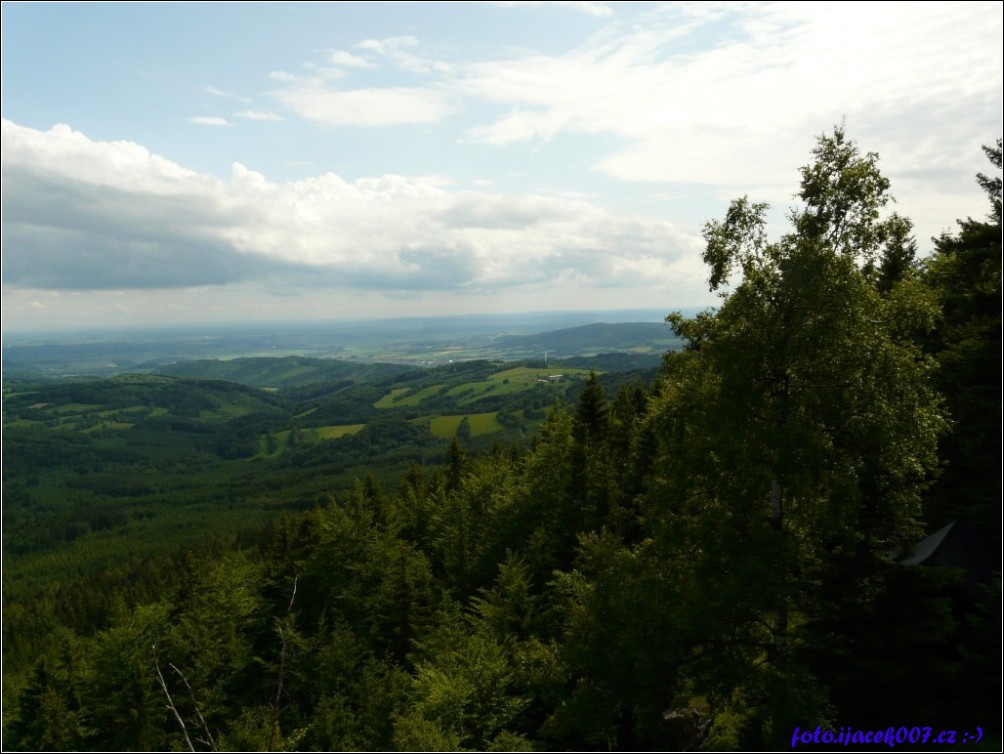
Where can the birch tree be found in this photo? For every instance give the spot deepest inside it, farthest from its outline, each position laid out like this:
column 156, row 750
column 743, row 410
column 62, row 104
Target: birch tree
column 799, row 424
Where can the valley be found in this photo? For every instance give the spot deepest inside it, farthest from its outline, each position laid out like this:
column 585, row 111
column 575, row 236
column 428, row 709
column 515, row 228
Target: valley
column 103, row 474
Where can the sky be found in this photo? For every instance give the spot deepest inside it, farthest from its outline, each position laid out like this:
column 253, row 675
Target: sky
column 194, row 163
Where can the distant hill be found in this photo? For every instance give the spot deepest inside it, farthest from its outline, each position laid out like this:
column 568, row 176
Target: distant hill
column 601, row 346
column 601, row 337
column 615, row 361
column 418, row 341
column 286, row 372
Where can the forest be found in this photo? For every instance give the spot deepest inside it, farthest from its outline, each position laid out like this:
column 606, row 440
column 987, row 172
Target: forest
column 708, row 555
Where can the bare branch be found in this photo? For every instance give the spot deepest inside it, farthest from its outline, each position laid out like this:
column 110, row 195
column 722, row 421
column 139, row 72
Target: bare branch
column 293, row 595
column 282, row 651
column 202, row 721
column 170, row 703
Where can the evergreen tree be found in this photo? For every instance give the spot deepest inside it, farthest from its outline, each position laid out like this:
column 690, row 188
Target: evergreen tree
column 591, row 484
column 965, row 273
column 592, row 416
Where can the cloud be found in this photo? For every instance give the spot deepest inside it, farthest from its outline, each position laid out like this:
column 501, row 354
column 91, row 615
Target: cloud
column 265, row 115
column 314, row 99
column 82, row 214
column 713, row 94
column 385, row 46
column 225, row 95
column 704, row 96
column 733, row 96
column 348, row 60
column 321, row 96
column 398, row 50
column 209, row 120
column 600, row 10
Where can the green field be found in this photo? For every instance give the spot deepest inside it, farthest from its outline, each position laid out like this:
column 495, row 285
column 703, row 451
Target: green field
column 532, row 374
column 334, row 432
column 514, row 380
column 505, row 383
column 281, row 439
column 403, row 396
column 472, row 391
column 73, row 416
column 481, row 424
column 22, row 423
column 391, row 399
column 109, row 425
column 415, row 398
column 77, row 408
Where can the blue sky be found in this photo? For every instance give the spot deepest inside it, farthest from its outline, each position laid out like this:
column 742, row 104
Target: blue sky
column 168, row 163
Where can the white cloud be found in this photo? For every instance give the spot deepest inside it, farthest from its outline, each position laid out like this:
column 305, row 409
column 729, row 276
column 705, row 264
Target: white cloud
column 398, row 50
column 266, row 115
column 703, row 96
column 388, row 46
column 216, row 92
column 733, row 95
column 700, row 99
column 85, row 214
column 209, row 120
column 348, row 60
column 718, row 94
column 314, row 99
column 601, row 10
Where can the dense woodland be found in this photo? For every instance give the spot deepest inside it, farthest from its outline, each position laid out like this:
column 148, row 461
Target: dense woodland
column 704, row 559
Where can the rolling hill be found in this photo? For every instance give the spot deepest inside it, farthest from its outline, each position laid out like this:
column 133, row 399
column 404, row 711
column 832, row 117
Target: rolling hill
column 600, row 337
column 287, row 372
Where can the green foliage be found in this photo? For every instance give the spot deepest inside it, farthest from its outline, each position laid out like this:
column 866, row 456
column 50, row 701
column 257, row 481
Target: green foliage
column 125, row 706
column 463, row 693
column 964, row 272
column 50, row 713
column 619, row 646
column 801, row 422
column 701, row 563
column 287, row 373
